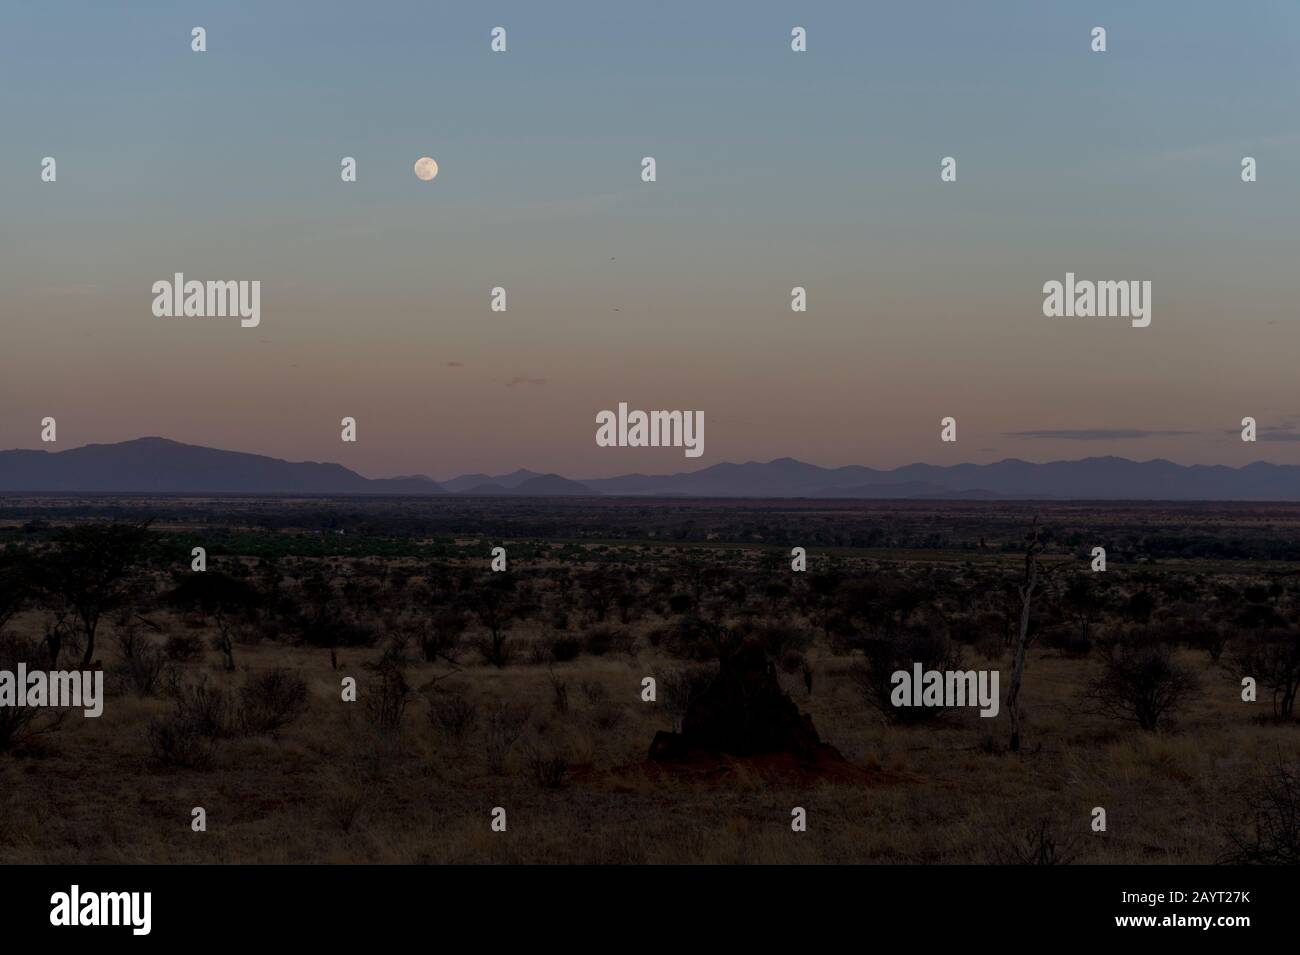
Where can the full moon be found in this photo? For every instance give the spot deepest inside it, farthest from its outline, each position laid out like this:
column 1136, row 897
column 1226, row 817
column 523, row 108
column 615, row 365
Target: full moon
column 425, row 168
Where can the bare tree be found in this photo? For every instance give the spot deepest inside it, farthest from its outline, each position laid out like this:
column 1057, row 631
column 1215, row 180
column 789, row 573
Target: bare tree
column 1033, row 548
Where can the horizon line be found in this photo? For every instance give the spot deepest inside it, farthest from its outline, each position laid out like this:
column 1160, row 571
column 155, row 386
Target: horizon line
column 751, row 461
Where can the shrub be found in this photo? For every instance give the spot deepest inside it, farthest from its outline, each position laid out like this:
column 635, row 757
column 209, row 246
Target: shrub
column 605, row 716
column 386, row 698
column 504, row 724
column 177, row 742
column 565, row 648
column 345, row 805
column 693, row 637
column 680, row 687
column 884, row 656
column 781, row 640
column 1273, row 659
column 561, row 693
column 1272, row 834
column 19, row 723
column 453, row 713
column 600, row 640
column 990, row 646
column 548, row 767
column 206, row 709
column 1037, row 846
column 271, row 701
column 1140, row 684
column 142, row 671
column 182, row 648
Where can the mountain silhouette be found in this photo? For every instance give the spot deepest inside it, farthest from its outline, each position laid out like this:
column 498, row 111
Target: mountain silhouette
column 544, row 485
column 162, row 466
column 467, row 482
column 158, row 465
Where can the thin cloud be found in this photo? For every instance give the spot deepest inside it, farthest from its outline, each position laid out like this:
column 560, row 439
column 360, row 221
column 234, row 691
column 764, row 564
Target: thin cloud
column 1095, row 434
column 1277, row 434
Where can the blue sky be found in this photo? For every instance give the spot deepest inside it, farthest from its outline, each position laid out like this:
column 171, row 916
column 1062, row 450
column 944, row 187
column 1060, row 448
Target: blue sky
column 775, row 169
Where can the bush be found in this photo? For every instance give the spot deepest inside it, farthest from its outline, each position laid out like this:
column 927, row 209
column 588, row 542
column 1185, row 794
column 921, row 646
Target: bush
column 1037, row 846
column 692, row 637
column 271, row 701
column 547, row 766
column 19, row 723
column 453, row 713
column 560, row 693
column 565, row 648
column 1140, row 684
column 1273, row 659
column 504, row 725
column 142, row 672
column 443, row 641
column 990, row 646
column 680, row 687
column 181, row 648
column 781, row 640
column 884, row 656
column 1076, row 643
column 601, row 640
column 206, row 709
column 1272, row 835
column 177, row 742
column 593, row 692
column 605, row 716
column 386, row 698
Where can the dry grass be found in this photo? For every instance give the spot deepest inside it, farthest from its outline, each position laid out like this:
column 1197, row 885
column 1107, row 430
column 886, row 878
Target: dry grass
column 329, row 787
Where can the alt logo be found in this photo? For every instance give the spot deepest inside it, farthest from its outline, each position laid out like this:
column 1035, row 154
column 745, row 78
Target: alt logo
column 651, row 429
column 1086, row 299
column 194, row 299
column 134, row 909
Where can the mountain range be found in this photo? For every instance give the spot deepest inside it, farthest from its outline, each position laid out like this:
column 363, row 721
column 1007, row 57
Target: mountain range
column 162, row 466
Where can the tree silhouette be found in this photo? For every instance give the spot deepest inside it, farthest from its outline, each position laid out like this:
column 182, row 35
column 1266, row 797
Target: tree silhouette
column 1032, row 578
column 219, row 596
column 89, row 573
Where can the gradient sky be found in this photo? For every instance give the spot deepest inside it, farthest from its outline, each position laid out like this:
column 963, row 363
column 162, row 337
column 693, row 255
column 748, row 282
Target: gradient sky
column 775, row 169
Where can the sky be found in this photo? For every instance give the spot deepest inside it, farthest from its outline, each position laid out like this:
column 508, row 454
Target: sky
column 774, row 169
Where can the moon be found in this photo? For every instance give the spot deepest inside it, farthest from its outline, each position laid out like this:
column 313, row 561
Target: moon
column 425, row 168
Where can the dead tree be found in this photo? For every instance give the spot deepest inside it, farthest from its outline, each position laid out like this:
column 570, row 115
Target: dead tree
column 1026, row 591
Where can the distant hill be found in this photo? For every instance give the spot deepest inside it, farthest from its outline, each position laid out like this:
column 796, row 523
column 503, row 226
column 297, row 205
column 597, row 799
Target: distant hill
column 544, row 485
column 1105, row 478
column 468, row 482
column 158, row 465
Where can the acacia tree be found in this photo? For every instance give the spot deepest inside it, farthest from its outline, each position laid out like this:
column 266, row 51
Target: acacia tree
column 223, row 598
column 493, row 602
column 89, row 572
